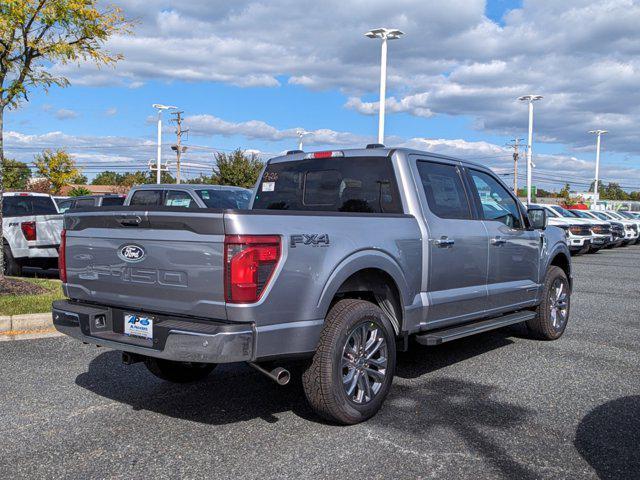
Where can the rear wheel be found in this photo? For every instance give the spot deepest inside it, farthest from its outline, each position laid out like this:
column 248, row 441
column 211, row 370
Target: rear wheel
column 352, row 369
column 553, row 312
column 178, row 372
column 12, row 267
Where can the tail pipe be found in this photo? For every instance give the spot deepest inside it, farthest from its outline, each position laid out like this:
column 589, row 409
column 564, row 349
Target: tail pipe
column 279, row 375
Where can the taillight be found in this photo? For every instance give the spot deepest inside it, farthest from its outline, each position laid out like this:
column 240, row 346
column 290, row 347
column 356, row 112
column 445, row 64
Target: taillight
column 62, row 256
column 29, row 230
column 249, row 262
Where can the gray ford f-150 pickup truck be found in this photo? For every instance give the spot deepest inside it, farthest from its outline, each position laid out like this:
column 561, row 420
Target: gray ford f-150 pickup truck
column 342, row 257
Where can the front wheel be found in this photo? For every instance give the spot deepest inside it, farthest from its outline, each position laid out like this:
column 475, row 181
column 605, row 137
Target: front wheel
column 553, row 312
column 178, row 372
column 352, row 369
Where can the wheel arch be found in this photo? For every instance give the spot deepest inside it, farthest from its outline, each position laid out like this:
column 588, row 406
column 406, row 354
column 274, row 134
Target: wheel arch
column 562, row 260
column 371, row 275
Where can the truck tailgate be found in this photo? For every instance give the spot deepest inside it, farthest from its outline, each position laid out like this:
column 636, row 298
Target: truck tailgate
column 158, row 261
column 48, row 229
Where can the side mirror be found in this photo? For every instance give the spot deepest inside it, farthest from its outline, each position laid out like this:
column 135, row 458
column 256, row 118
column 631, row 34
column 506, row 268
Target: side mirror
column 537, row 218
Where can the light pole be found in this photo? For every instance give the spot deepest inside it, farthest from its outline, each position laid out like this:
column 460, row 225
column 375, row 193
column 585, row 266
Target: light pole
column 596, row 191
column 385, row 34
column 160, row 108
column 530, row 99
column 301, row 134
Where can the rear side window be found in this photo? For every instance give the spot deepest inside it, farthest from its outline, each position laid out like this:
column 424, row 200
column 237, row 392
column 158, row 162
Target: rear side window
column 64, row 205
column 444, row 190
column 146, row 198
column 111, row 201
column 178, row 198
column 352, row 184
column 19, row 205
column 84, row 202
column 236, row 199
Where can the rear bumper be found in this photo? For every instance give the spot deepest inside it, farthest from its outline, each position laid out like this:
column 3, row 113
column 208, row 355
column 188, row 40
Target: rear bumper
column 175, row 339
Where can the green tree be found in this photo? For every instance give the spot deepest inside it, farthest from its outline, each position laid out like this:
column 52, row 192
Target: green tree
column 79, row 191
column 58, row 167
column 108, row 177
column 16, row 174
column 565, row 191
column 613, row 191
column 79, row 179
column 237, row 169
column 34, row 34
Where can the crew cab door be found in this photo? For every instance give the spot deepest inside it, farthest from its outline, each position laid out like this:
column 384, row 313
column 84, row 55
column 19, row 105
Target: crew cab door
column 514, row 251
column 456, row 244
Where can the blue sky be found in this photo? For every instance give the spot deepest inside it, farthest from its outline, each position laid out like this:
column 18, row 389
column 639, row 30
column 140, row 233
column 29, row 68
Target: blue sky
column 453, row 83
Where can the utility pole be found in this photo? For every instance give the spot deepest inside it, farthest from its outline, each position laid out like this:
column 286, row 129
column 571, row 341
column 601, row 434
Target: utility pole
column 178, row 147
column 515, row 144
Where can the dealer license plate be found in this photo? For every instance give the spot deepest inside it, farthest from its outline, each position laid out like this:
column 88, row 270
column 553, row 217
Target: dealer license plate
column 138, row 326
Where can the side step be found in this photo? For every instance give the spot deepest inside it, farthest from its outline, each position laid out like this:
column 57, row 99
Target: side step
column 436, row 337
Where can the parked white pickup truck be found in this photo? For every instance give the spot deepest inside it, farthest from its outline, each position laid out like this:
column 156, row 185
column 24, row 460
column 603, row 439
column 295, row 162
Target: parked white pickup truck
column 31, row 227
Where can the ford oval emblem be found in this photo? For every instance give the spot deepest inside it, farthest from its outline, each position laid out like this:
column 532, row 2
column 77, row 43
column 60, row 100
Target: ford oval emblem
column 131, row 253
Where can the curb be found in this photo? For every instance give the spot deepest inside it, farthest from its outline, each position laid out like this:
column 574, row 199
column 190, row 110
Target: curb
column 29, row 321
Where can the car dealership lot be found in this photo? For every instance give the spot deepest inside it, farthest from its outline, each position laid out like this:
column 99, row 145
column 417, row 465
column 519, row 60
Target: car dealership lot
column 495, row 405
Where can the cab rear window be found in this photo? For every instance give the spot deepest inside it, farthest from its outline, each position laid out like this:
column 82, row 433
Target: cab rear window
column 20, row 205
column 351, row 184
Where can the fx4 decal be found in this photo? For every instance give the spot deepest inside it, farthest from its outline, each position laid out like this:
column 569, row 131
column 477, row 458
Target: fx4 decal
column 313, row 239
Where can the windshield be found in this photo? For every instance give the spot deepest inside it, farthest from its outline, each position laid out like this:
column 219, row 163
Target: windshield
column 616, row 215
column 601, row 215
column 580, row 214
column 563, row 211
column 19, row 205
column 237, row 199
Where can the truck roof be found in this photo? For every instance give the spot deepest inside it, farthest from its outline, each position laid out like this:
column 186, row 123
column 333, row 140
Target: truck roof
column 185, row 186
column 371, row 152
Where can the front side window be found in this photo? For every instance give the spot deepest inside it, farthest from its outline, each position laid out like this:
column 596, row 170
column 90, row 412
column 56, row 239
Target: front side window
column 146, row 198
column 444, row 190
column 497, row 204
column 178, row 198
column 351, row 184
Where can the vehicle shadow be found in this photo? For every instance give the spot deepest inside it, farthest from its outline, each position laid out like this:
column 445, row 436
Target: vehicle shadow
column 236, row 392
column 608, row 438
column 420, row 359
column 32, row 272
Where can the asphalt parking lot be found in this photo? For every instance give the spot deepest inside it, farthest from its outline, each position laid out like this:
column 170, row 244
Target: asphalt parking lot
column 492, row 406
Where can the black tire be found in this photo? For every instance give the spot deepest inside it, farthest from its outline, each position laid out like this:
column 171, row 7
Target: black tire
column 323, row 379
column 12, row 267
column 544, row 326
column 178, row 372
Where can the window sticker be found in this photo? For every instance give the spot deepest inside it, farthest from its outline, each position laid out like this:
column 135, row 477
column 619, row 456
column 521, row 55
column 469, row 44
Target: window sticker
column 268, row 186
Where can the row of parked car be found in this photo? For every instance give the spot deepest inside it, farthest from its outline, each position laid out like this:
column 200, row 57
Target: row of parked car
column 32, row 222
column 588, row 231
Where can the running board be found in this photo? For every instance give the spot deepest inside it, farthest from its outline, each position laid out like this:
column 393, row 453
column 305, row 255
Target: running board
column 437, row 337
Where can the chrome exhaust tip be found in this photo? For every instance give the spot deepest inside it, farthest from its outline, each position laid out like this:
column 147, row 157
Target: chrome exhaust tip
column 279, row 375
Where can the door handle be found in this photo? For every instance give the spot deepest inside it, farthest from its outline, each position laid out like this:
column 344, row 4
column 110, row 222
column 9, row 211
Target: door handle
column 443, row 242
column 497, row 241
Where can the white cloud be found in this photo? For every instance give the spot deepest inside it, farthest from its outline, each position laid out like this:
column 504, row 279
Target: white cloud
column 110, row 112
column 66, row 114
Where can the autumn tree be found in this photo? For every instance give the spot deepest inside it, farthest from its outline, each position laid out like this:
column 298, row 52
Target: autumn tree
column 34, row 34
column 58, row 167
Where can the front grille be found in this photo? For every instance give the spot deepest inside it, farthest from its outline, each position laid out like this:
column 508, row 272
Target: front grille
column 601, row 229
column 580, row 230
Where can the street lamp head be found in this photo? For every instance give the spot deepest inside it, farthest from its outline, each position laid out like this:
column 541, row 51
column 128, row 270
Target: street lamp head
column 530, row 98
column 159, row 106
column 598, row 132
column 301, row 132
column 388, row 33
